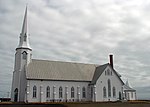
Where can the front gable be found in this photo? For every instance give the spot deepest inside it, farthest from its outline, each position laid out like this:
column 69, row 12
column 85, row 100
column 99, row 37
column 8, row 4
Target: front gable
column 105, row 71
column 110, row 73
column 108, row 80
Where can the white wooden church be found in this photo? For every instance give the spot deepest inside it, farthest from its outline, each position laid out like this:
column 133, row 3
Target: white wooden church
column 36, row 80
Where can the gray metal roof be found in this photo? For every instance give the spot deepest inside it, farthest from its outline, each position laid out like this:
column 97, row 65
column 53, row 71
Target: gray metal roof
column 56, row 70
column 127, row 88
column 99, row 70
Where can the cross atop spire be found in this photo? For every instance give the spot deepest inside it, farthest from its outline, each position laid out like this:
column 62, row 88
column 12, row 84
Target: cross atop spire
column 24, row 39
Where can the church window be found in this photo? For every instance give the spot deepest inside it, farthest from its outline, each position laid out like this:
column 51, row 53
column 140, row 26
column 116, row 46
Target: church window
column 48, row 92
column 114, row 92
column 83, row 92
column 24, row 55
column 16, row 95
column 91, row 92
column 104, row 92
column 120, row 96
column 34, row 91
column 60, row 92
column 72, row 92
column 109, row 88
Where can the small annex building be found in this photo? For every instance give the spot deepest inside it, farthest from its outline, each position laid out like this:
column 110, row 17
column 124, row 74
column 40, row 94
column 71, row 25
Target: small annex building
column 37, row 80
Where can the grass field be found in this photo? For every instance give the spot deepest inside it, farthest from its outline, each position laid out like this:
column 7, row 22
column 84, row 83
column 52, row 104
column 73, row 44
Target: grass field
column 81, row 104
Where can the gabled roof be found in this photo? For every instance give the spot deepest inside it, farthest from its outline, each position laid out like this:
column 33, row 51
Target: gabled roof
column 56, row 70
column 127, row 88
column 66, row 71
column 98, row 72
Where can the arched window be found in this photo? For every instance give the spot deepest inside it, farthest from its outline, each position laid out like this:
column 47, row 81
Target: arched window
column 120, row 96
column 16, row 95
column 24, row 55
column 109, row 88
column 83, row 92
column 48, row 92
column 104, row 92
column 60, row 92
column 34, row 91
column 114, row 92
column 91, row 92
column 72, row 92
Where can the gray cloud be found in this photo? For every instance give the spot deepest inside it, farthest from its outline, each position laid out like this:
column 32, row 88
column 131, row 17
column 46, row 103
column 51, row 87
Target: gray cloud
column 81, row 31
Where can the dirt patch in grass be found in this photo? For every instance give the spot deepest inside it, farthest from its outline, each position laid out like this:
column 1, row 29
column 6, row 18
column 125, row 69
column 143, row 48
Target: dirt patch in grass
column 80, row 104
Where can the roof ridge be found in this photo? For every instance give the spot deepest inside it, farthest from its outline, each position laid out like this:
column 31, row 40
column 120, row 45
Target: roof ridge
column 67, row 62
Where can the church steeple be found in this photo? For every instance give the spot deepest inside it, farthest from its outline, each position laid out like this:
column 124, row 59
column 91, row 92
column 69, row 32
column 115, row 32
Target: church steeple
column 24, row 37
column 22, row 59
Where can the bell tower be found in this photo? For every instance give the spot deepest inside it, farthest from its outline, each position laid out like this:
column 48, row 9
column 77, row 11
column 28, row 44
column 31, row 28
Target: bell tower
column 22, row 59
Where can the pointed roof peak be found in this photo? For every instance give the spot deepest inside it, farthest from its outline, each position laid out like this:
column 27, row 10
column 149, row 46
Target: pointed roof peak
column 26, row 4
column 127, row 83
column 24, row 39
column 24, row 27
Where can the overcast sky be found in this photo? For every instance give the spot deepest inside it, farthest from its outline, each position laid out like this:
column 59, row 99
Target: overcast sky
column 84, row 31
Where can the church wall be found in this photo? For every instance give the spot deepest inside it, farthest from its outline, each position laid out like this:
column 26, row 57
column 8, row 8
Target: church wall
column 130, row 95
column 17, row 61
column 15, row 84
column 24, row 63
column 103, row 82
column 54, row 90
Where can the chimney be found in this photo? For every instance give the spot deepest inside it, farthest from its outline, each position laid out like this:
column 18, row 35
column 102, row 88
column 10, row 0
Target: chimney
column 111, row 60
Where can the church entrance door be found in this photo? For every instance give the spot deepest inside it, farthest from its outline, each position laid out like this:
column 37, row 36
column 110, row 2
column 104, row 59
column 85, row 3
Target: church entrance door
column 16, row 95
column 119, row 95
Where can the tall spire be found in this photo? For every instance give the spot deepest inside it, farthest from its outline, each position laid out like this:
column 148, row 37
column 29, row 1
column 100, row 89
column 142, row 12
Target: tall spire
column 24, row 39
column 24, row 27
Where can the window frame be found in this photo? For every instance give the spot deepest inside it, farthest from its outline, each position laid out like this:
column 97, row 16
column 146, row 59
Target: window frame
column 83, row 92
column 48, row 92
column 109, row 88
column 114, row 92
column 34, row 92
column 60, row 92
column 104, row 92
column 24, row 55
column 72, row 92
